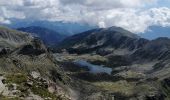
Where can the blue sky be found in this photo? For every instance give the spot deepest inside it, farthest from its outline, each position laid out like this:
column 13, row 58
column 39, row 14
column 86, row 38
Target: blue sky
column 133, row 15
column 163, row 3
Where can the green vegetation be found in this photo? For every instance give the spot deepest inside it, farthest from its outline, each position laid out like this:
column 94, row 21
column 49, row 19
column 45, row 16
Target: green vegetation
column 166, row 90
column 120, row 87
column 43, row 92
column 38, row 87
column 131, row 74
column 16, row 78
column 41, row 89
column 9, row 98
column 127, row 88
column 16, row 68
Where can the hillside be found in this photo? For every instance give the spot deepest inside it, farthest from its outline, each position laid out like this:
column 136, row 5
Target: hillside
column 23, row 75
column 12, row 38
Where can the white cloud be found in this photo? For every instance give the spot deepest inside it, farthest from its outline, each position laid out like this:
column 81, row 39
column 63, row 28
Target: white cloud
column 133, row 20
column 129, row 14
column 160, row 16
column 108, row 4
column 4, row 21
column 11, row 2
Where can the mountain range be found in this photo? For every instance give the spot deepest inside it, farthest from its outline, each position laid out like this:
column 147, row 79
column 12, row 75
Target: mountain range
column 99, row 64
column 132, row 59
column 65, row 28
column 104, row 39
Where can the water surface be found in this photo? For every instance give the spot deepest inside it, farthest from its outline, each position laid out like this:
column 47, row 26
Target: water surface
column 93, row 68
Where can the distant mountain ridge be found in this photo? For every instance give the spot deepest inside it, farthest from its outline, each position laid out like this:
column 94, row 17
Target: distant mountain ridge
column 49, row 37
column 65, row 28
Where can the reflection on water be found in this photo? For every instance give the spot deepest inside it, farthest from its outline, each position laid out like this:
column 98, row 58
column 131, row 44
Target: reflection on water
column 93, row 68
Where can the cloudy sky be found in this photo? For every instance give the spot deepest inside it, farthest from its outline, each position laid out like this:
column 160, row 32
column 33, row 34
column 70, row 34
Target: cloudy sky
column 133, row 15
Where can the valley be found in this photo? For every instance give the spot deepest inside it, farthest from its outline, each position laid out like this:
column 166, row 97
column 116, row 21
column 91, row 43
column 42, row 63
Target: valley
column 136, row 70
column 84, row 49
column 99, row 64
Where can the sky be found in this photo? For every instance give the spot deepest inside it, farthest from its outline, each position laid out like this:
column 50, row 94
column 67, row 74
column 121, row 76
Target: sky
column 133, row 15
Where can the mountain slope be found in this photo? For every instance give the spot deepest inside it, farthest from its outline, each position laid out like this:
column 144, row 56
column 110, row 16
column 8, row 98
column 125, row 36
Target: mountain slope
column 102, row 39
column 48, row 36
column 155, row 49
column 12, row 38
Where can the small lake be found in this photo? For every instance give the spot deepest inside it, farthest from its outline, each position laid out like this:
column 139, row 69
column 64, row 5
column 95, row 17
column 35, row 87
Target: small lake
column 93, row 68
